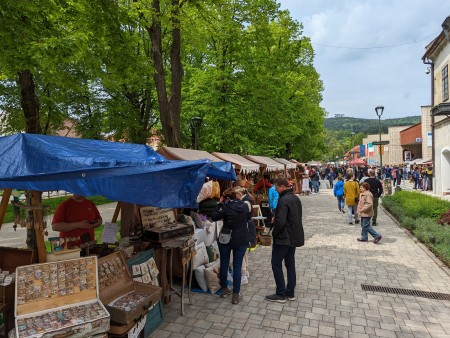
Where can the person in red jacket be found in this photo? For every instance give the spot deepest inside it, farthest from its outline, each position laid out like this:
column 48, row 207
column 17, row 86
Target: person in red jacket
column 76, row 219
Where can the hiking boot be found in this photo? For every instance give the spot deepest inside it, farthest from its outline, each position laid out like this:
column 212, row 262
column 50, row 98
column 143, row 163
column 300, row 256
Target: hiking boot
column 237, row 297
column 276, row 298
column 376, row 240
column 225, row 292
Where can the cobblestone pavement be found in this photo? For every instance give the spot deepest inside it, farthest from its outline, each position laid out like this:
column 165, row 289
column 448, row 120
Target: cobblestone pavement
column 330, row 302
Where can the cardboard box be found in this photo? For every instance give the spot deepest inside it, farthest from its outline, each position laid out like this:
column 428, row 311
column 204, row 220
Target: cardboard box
column 125, row 299
column 59, row 299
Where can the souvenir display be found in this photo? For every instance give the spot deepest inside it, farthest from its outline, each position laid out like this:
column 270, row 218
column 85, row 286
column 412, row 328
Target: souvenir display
column 168, row 232
column 125, row 298
column 58, row 298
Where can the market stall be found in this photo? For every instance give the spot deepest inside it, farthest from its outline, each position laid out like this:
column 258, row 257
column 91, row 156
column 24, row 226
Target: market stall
column 290, row 172
column 269, row 168
column 118, row 171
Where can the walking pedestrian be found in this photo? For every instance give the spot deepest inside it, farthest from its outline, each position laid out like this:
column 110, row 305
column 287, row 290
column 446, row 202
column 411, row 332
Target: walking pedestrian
column 376, row 188
column 338, row 191
column 365, row 210
column 287, row 236
column 351, row 194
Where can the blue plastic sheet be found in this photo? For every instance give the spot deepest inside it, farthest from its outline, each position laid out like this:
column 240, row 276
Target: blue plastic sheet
column 119, row 171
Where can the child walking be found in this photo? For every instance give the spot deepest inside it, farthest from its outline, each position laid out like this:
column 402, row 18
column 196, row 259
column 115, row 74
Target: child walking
column 338, row 191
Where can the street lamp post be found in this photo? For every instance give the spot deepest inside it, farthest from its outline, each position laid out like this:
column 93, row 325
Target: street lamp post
column 196, row 122
column 379, row 110
column 337, row 161
column 353, row 145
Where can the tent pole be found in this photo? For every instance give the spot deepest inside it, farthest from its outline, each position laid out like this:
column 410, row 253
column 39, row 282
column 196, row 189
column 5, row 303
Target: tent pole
column 38, row 228
column 116, row 212
column 4, row 204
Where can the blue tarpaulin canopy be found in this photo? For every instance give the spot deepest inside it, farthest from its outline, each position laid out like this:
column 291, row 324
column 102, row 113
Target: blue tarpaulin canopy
column 119, row 171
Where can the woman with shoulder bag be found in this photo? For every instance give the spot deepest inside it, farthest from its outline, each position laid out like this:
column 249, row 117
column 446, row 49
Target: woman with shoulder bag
column 234, row 236
column 351, row 193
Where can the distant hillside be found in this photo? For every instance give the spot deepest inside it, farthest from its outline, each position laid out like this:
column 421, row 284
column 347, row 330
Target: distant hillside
column 367, row 126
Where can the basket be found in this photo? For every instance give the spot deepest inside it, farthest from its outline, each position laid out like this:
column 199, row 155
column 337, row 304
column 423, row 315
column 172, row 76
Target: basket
column 265, row 239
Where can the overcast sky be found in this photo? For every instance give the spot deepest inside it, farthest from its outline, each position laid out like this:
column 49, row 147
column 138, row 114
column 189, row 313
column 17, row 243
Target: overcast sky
column 370, row 73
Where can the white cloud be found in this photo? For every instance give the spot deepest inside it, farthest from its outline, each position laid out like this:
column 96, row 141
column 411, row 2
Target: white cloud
column 356, row 80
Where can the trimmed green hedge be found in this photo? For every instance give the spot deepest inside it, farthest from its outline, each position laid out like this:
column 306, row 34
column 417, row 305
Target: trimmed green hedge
column 419, row 213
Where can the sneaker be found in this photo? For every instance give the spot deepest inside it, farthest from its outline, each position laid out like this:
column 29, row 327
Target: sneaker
column 374, row 224
column 237, row 297
column 292, row 298
column 362, row 240
column 376, row 240
column 276, row 298
column 356, row 222
column 343, row 211
column 225, row 292
column 350, row 223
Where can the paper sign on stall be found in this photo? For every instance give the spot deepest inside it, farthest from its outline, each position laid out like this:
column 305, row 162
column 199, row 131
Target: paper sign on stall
column 109, row 234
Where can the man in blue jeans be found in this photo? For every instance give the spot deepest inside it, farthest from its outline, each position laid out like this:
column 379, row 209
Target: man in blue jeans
column 287, row 236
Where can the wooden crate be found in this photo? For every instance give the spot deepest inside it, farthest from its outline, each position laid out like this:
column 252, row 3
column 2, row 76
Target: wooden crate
column 59, row 299
column 10, row 259
column 116, row 284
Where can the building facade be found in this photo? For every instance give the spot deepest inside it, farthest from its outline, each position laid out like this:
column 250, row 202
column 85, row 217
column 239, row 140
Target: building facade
column 437, row 55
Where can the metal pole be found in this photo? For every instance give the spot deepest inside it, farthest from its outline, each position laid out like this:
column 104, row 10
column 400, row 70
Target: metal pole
column 380, row 149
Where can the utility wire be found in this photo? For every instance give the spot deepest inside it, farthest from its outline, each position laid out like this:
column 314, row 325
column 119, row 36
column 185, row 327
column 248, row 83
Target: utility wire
column 375, row 47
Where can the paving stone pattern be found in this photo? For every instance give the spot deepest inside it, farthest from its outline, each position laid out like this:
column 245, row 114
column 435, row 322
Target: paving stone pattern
column 330, row 302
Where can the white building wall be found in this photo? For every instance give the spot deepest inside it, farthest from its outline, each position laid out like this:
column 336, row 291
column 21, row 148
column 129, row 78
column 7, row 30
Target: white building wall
column 442, row 157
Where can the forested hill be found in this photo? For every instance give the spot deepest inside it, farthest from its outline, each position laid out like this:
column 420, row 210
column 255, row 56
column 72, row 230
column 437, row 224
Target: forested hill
column 367, row 126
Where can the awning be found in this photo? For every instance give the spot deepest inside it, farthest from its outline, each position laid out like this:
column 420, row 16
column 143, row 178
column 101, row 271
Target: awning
column 266, row 162
column 132, row 173
column 240, row 163
column 218, row 169
column 287, row 164
column 298, row 164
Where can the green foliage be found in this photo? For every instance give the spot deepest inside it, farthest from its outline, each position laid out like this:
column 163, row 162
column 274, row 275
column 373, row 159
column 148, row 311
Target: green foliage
column 367, row 126
column 417, row 205
column 419, row 213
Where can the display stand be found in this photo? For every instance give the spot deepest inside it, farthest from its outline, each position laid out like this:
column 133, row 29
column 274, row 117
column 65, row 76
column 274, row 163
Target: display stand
column 187, row 247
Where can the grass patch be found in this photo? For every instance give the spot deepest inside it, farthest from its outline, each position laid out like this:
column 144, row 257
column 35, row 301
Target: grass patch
column 419, row 214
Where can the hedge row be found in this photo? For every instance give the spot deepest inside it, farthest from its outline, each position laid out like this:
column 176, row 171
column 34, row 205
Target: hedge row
column 419, row 213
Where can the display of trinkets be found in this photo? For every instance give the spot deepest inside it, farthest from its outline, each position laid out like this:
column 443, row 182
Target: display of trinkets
column 111, row 271
column 59, row 319
column 59, row 299
column 49, row 280
column 125, row 299
column 146, row 272
column 128, row 301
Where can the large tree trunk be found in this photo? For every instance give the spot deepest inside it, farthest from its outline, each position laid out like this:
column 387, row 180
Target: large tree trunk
column 30, row 107
column 29, row 102
column 169, row 106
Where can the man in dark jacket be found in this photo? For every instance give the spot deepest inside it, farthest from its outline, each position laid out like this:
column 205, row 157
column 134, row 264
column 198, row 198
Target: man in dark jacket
column 287, row 236
column 376, row 188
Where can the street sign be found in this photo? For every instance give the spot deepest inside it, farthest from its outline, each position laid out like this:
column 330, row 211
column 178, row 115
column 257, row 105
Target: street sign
column 380, row 143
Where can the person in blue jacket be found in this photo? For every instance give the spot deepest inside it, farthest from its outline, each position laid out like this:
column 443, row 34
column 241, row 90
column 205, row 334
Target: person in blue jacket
column 273, row 199
column 338, row 191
